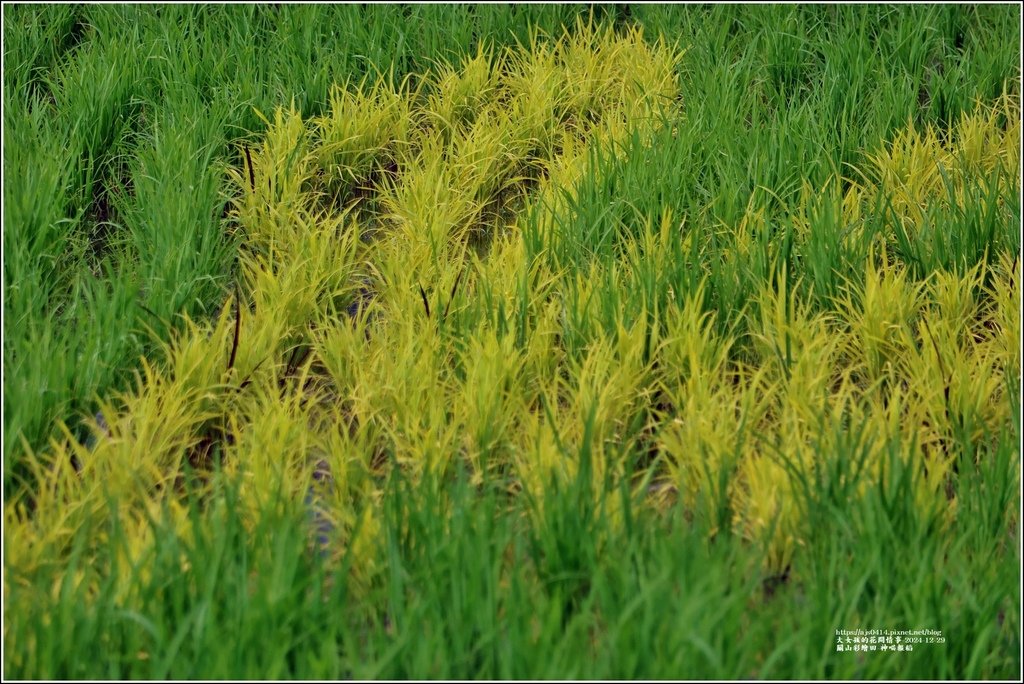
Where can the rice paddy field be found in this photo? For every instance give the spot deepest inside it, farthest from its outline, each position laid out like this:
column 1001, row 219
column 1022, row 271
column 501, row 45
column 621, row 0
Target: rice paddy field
column 537, row 341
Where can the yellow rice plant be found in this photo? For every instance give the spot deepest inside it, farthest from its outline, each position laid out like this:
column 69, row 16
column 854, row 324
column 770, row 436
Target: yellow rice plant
column 879, row 317
column 364, row 129
column 919, row 168
column 1004, row 315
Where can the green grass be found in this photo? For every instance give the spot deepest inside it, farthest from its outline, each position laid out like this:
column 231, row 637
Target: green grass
column 466, row 592
column 692, row 393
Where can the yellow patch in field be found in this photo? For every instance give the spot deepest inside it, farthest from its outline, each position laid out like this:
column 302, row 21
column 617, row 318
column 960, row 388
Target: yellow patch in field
column 387, row 217
column 920, row 168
